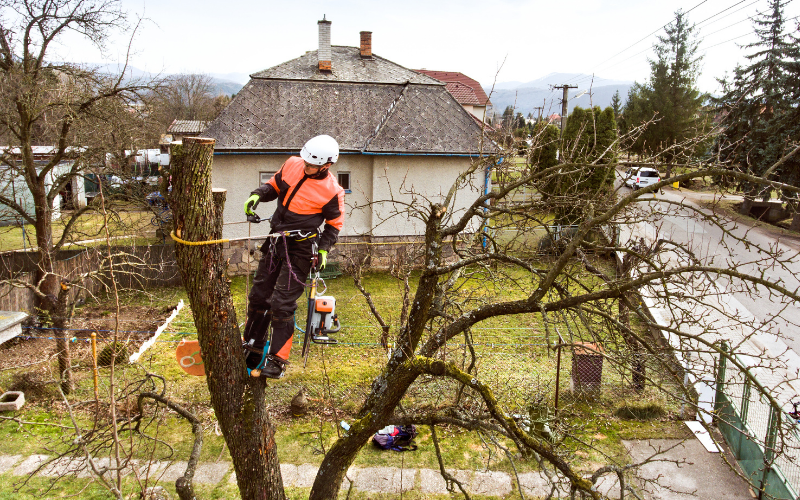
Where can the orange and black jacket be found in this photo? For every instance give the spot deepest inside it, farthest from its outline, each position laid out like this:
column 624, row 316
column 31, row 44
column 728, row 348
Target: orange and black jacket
column 305, row 201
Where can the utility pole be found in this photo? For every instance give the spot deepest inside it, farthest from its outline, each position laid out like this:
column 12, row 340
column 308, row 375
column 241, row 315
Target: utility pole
column 564, row 101
column 540, row 108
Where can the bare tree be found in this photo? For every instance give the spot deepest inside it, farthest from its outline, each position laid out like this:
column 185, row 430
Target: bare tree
column 50, row 116
column 469, row 277
column 185, row 97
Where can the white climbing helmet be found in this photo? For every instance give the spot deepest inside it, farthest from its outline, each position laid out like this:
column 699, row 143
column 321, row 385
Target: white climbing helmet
column 320, row 150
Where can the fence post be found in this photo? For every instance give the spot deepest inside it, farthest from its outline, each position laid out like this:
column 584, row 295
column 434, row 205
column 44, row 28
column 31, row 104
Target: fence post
column 769, row 448
column 558, row 373
column 745, row 400
column 720, row 382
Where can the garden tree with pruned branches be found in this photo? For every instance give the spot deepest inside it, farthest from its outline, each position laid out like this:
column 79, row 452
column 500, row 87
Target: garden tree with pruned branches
column 467, row 279
column 79, row 114
column 759, row 119
column 672, row 97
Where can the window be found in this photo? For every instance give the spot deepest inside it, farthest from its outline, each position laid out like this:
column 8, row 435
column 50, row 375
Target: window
column 344, row 180
column 266, row 176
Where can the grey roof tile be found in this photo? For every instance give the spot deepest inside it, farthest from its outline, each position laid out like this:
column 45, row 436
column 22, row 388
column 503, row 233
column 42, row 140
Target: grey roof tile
column 348, row 66
column 187, row 127
column 368, row 105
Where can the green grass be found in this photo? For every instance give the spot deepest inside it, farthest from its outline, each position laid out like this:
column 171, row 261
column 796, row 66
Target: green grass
column 134, row 224
column 512, row 357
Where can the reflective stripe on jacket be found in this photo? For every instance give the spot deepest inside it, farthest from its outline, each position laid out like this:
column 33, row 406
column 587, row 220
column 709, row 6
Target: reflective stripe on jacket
column 305, row 201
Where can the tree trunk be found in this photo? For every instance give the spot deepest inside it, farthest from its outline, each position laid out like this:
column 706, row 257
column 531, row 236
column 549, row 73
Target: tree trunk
column 54, row 302
column 747, row 204
column 238, row 399
column 389, row 388
column 795, row 225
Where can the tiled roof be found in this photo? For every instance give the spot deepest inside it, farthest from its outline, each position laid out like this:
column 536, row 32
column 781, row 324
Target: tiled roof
column 463, row 93
column 348, row 66
column 187, row 127
column 456, row 77
column 281, row 114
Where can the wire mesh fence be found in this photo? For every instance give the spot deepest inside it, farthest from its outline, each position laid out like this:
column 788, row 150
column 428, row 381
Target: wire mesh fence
column 765, row 443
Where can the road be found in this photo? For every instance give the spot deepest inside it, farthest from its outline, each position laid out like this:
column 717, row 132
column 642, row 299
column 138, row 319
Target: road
column 735, row 246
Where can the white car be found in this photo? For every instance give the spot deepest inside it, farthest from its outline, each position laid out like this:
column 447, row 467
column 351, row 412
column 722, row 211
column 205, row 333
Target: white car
column 637, row 178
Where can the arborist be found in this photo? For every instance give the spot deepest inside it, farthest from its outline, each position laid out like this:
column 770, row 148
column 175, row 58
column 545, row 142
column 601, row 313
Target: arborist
column 308, row 195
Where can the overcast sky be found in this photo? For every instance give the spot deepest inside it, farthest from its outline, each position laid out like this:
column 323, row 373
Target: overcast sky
column 510, row 40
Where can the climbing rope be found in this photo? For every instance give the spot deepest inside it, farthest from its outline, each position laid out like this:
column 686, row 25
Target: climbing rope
column 196, row 243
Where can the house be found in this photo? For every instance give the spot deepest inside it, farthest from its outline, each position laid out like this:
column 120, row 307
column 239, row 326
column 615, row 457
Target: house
column 402, row 137
column 468, row 92
column 179, row 129
column 13, row 185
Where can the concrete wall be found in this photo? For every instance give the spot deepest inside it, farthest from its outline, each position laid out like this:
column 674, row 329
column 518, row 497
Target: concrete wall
column 391, row 182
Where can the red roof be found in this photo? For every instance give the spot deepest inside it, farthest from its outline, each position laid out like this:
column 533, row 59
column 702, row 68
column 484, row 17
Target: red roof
column 455, row 85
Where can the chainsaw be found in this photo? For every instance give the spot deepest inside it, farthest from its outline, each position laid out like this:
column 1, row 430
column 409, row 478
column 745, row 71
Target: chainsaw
column 321, row 318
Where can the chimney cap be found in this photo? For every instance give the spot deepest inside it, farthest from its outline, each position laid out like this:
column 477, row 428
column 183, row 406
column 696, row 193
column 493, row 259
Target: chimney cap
column 323, row 20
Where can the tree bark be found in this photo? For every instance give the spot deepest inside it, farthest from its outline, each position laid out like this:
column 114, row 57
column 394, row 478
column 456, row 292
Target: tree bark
column 54, row 300
column 238, row 399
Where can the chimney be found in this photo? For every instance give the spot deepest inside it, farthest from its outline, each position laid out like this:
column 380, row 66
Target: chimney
column 324, row 52
column 366, row 45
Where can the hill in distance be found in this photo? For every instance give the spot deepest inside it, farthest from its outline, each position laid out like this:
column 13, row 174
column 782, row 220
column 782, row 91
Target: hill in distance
column 222, row 84
column 526, row 96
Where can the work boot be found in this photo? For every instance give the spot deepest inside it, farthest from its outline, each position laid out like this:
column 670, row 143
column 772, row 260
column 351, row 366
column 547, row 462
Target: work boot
column 274, row 369
column 255, row 336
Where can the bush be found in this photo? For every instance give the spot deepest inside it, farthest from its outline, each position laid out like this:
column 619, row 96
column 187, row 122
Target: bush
column 118, row 351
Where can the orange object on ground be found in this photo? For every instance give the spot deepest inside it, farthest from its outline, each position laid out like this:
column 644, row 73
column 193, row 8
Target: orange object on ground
column 189, row 357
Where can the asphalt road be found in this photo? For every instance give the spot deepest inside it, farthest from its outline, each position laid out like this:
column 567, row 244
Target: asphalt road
column 735, row 246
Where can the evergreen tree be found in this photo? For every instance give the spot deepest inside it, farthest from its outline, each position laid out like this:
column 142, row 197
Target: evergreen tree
column 759, row 104
column 616, row 105
column 671, row 97
column 590, row 138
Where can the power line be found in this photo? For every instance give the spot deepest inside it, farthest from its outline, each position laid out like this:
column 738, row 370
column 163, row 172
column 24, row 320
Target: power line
column 582, row 79
column 648, row 36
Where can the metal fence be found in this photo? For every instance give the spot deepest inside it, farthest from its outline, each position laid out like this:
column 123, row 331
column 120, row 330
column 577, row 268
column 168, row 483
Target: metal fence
column 765, row 443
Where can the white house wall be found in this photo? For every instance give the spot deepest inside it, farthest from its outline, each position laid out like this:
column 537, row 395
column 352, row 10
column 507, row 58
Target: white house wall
column 384, row 180
column 402, row 184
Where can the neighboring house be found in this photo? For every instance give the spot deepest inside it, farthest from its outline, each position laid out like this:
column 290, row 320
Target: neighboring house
column 14, row 186
column 402, row 137
column 179, row 129
column 468, row 92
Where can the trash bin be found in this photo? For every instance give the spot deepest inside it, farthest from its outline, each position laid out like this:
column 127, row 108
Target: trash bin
column 587, row 367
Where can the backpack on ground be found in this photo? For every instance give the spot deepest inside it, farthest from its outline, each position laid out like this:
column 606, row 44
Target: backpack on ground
column 396, row 437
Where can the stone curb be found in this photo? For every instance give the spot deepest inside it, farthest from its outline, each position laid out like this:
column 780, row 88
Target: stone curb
column 388, row 480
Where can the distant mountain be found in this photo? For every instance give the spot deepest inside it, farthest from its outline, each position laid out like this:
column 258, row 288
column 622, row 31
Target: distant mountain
column 222, row 84
column 525, row 97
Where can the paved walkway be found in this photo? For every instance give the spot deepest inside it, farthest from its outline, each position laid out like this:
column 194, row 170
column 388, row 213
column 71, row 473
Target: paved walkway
column 684, row 468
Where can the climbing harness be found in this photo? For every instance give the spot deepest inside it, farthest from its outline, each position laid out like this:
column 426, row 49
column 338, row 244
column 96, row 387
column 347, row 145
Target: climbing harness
column 321, row 318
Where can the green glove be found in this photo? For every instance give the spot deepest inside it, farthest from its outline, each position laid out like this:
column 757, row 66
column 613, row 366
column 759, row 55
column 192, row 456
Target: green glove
column 251, row 204
column 323, row 259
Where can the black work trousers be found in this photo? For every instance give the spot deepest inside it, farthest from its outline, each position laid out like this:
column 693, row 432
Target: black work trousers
column 279, row 282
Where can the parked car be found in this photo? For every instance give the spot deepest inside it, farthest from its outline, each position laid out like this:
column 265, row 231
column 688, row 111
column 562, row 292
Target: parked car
column 637, row 178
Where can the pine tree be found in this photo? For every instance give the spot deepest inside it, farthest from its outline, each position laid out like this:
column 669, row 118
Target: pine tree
column 671, row 97
column 758, row 107
column 616, row 105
